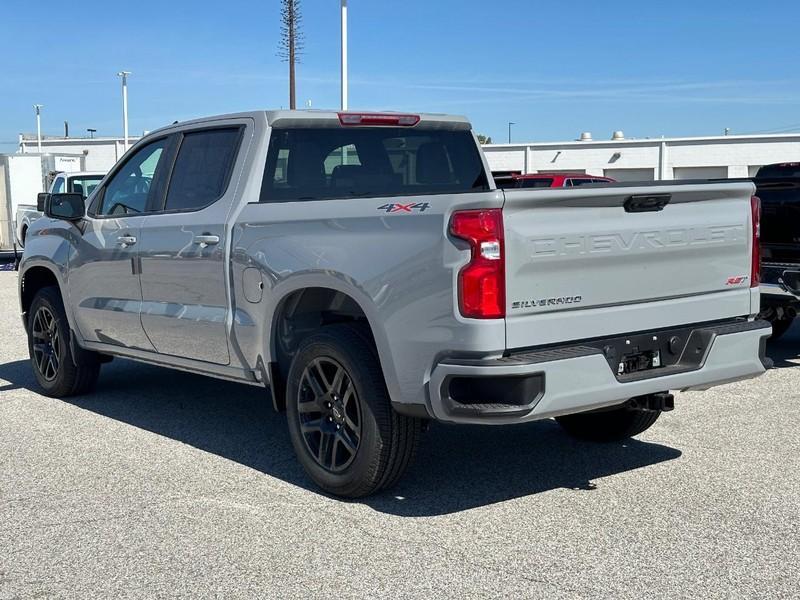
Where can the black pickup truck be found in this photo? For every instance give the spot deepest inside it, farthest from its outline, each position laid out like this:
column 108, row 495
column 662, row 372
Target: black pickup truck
column 778, row 186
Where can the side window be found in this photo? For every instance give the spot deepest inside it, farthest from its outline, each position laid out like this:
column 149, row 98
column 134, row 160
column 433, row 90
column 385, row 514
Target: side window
column 58, row 185
column 202, row 169
column 129, row 190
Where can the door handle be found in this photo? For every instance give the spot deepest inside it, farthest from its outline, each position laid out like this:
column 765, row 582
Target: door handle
column 206, row 240
column 126, row 240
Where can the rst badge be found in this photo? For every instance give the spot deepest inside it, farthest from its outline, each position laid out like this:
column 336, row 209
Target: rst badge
column 737, row 280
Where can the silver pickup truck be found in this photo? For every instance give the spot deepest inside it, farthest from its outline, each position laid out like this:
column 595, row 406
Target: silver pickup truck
column 365, row 268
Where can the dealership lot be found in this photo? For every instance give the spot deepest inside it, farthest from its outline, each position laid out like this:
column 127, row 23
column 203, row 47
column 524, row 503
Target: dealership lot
column 164, row 483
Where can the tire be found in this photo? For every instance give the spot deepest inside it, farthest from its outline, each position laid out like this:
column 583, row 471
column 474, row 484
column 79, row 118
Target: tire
column 608, row 425
column 343, row 429
column 59, row 373
column 780, row 327
column 23, row 234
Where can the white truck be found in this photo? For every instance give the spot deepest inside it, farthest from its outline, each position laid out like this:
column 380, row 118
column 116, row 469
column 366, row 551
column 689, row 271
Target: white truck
column 82, row 182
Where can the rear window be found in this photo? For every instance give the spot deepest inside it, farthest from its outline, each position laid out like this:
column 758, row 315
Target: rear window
column 85, row 185
column 320, row 164
column 539, row 182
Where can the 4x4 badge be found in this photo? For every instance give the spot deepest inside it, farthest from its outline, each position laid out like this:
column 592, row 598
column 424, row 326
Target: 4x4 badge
column 404, row 208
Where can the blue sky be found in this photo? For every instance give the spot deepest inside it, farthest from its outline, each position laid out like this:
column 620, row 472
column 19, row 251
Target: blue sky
column 554, row 68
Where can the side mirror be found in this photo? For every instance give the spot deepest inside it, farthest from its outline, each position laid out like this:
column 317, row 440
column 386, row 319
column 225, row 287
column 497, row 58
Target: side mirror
column 41, row 200
column 68, row 207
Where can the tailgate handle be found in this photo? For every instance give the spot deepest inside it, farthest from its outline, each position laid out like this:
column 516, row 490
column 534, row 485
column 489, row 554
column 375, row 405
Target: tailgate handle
column 647, row 203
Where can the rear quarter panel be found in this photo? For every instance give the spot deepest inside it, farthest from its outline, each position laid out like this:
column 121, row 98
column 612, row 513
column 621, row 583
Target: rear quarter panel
column 399, row 267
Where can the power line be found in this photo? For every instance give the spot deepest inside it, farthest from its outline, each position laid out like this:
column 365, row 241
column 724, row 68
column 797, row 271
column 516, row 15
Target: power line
column 783, row 129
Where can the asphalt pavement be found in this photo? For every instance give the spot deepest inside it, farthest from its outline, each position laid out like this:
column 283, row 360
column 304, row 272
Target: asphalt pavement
column 166, row 484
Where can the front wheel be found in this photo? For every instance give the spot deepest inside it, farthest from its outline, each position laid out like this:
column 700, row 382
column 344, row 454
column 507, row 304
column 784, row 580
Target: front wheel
column 608, row 425
column 343, row 429
column 58, row 371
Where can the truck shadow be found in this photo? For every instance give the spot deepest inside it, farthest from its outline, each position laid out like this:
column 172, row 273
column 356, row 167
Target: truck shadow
column 785, row 351
column 457, row 467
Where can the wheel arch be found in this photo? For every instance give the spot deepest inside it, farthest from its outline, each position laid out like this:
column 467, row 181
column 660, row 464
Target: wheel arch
column 303, row 309
column 32, row 279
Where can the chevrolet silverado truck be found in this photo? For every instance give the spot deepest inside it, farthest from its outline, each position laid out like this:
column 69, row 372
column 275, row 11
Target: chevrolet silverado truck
column 778, row 187
column 365, row 268
column 82, row 183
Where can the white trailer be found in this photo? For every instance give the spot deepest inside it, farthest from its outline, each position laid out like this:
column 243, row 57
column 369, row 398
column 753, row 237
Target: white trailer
column 22, row 177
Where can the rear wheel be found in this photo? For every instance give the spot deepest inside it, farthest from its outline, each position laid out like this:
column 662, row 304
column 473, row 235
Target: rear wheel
column 341, row 423
column 58, row 371
column 608, row 425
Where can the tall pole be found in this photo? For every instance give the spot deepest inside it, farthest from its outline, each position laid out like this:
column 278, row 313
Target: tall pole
column 38, row 109
column 124, row 75
column 292, row 56
column 509, row 131
column 344, row 54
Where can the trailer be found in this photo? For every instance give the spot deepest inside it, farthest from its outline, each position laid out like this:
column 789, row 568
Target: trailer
column 22, row 177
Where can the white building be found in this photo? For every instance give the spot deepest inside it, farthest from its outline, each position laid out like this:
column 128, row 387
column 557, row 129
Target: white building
column 648, row 159
column 101, row 152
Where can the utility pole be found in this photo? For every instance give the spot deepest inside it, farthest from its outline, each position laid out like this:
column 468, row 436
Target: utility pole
column 124, row 75
column 38, row 109
column 344, row 54
column 509, row 131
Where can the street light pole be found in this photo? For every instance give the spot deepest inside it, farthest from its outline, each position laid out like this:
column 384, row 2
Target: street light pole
column 38, row 109
column 124, row 75
column 344, row 54
column 509, row 131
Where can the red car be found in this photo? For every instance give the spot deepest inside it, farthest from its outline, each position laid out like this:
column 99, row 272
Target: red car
column 549, row 180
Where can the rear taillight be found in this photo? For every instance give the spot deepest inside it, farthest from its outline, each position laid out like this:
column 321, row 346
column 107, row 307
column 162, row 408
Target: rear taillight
column 387, row 119
column 755, row 269
column 482, row 282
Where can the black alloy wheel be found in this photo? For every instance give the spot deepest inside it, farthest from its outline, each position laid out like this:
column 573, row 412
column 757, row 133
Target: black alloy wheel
column 47, row 343
column 329, row 414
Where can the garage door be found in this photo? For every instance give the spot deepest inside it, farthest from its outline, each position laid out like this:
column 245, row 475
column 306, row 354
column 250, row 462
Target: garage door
column 700, row 173
column 631, row 174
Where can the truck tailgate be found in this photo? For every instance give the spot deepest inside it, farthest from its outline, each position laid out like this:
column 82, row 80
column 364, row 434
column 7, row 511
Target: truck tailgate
column 590, row 262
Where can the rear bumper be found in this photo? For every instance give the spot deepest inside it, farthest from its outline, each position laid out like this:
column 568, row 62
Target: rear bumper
column 556, row 381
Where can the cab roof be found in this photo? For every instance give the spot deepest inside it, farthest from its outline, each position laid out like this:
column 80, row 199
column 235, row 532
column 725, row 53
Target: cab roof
column 323, row 118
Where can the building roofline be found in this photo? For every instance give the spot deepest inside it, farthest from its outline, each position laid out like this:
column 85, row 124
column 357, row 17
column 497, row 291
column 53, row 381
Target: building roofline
column 647, row 141
column 27, row 138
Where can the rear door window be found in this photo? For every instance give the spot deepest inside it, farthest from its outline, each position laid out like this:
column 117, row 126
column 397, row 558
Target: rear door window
column 318, row 164
column 202, row 169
